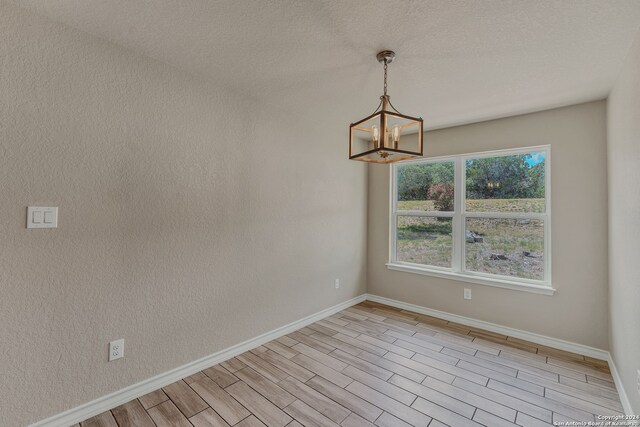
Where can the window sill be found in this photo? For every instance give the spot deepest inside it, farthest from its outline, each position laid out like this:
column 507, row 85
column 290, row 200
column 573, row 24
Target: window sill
column 488, row 281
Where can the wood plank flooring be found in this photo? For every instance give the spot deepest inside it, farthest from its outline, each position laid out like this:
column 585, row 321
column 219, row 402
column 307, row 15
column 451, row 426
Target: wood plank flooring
column 375, row 365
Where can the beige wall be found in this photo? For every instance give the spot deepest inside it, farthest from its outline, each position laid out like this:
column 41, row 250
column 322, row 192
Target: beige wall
column 191, row 218
column 624, row 223
column 578, row 311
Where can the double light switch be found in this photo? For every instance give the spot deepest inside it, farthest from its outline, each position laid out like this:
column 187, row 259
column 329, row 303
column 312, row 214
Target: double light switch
column 39, row 217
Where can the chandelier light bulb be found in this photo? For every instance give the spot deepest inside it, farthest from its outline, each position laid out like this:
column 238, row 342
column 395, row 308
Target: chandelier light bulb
column 396, row 136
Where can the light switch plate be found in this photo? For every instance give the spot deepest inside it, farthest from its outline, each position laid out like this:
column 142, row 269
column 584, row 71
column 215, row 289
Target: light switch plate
column 41, row 217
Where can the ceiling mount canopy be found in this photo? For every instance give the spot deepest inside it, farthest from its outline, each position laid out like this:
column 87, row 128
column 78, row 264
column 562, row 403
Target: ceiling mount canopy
column 386, row 55
column 386, row 136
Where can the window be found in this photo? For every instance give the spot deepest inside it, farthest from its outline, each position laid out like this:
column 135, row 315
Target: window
column 482, row 218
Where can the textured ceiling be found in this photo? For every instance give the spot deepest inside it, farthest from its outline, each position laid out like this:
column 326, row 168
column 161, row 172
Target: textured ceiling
column 458, row 61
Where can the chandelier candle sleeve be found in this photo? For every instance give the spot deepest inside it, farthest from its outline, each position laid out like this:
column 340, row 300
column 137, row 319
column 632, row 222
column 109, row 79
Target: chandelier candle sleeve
column 375, row 135
column 387, row 135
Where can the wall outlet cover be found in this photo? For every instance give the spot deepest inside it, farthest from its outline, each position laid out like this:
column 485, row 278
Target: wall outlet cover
column 116, row 350
column 337, row 283
column 467, row 293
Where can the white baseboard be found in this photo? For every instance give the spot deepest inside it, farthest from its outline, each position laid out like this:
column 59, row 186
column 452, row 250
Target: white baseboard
column 95, row 407
column 492, row 327
column 517, row 333
column 624, row 399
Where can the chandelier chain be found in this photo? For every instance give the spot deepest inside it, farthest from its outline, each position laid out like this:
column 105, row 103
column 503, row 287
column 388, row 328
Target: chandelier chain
column 385, row 77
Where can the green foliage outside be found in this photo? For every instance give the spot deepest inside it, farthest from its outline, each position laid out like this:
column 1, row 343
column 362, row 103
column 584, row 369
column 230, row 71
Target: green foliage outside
column 442, row 196
column 414, row 180
column 503, row 177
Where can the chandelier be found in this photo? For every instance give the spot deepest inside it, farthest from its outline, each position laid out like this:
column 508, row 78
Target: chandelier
column 386, row 136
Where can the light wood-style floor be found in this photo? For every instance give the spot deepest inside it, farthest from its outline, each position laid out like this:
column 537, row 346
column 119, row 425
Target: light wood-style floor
column 374, row 365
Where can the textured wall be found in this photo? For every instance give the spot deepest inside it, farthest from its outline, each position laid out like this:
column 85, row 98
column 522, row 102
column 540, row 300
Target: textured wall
column 624, row 224
column 191, row 218
column 578, row 311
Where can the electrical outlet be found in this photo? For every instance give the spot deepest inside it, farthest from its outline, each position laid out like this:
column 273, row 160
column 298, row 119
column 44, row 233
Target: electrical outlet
column 116, row 349
column 337, row 283
column 467, row 293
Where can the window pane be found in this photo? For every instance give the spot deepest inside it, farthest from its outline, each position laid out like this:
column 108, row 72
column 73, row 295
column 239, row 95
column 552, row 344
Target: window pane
column 514, row 183
column 508, row 247
column 426, row 187
column 424, row 240
column 365, row 136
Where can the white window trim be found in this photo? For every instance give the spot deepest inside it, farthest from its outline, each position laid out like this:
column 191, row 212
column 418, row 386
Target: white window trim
column 459, row 215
